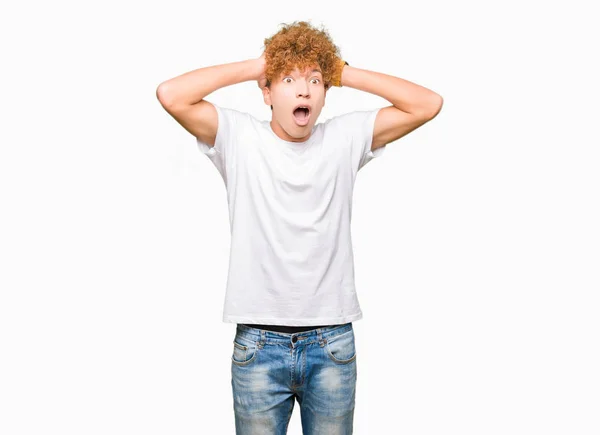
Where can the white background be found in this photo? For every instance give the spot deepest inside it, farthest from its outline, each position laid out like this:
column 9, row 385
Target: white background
column 476, row 236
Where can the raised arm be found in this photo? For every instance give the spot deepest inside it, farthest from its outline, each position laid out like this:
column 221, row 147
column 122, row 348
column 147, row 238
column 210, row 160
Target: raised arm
column 183, row 96
column 412, row 105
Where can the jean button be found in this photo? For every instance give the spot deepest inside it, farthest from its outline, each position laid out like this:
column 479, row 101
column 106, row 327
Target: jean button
column 294, row 339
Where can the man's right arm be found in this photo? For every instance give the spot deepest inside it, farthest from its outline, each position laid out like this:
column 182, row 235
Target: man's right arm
column 182, row 96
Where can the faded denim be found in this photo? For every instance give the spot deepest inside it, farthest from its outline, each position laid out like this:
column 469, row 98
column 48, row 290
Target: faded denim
column 271, row 370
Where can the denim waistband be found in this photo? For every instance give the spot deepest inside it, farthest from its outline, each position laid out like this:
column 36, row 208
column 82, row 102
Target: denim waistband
column 256, row 334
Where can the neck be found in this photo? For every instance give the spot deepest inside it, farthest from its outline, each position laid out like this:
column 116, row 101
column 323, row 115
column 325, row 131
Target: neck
column 282, row 134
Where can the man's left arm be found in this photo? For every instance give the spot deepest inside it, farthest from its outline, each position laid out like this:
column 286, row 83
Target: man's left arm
column 412, row 105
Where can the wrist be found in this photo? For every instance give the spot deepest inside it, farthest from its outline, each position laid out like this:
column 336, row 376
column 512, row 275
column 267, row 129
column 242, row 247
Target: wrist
column 336, row 80
column 258, row 67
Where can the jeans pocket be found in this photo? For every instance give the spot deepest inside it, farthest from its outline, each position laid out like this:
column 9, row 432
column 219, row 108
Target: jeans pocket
column 244, row 351
column 341, row 348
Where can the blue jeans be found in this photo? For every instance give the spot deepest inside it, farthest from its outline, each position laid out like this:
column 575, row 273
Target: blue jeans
column 270, row 370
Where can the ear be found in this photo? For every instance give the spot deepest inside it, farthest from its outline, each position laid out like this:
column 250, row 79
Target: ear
column 267, row 95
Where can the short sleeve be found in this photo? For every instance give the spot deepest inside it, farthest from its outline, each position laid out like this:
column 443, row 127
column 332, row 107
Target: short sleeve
column 358, row 128
column 222, row 154
column 364, row 126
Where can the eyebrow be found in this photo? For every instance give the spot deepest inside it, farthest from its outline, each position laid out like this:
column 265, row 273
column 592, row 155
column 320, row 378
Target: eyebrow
column 313, row 71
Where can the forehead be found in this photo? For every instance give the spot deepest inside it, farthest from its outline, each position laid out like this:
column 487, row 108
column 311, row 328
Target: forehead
column 314, row 69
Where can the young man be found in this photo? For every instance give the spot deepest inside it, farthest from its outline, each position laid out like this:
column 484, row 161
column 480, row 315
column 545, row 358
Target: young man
column 289, row 182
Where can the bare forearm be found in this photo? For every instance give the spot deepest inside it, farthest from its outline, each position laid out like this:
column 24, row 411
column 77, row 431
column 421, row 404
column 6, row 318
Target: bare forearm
column 406, row 96
column 193, row 86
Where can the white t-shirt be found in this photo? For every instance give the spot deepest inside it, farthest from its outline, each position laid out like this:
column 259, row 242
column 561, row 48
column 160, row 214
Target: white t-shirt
column 290, row 205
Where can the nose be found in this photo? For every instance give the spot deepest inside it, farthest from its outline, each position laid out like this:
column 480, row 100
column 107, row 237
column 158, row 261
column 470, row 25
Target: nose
column 302, row 89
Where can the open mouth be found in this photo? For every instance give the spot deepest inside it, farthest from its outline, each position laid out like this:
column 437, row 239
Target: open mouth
column 302, row 115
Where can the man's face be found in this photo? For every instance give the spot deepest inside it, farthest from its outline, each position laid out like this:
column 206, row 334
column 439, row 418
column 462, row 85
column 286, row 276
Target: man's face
column 298, row 88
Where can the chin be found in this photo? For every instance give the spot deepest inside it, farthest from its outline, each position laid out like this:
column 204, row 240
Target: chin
column 302, row 130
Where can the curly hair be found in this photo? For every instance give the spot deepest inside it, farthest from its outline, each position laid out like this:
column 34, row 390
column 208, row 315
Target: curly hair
column 300, row 45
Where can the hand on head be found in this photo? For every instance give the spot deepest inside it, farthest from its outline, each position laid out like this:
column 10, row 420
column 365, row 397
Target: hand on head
column 262, row 80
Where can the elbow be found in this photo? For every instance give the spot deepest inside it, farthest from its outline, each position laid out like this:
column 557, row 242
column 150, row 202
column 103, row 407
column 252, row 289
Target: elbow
column 434, row 108
column 164, row 96
column 439, row 106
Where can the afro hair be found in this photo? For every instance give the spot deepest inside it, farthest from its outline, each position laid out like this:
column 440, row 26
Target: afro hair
column 300, row 45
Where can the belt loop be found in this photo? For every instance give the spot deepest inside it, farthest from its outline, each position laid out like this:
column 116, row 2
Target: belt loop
column 320, row 337
column 263, row 337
